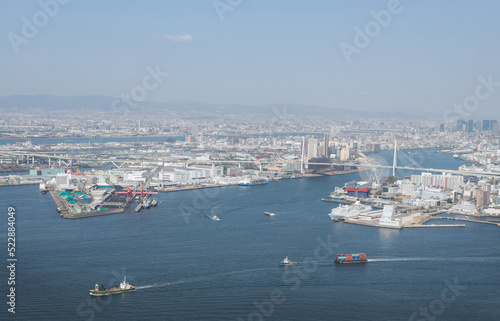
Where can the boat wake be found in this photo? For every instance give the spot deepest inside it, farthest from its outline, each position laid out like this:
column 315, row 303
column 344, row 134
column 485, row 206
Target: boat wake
column 402, row 259
column 158, row 285
column 200, row 278
column 437, row 259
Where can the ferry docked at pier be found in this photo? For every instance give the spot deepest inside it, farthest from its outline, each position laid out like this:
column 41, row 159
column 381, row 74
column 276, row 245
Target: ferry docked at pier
column 287, row 262
column 43, row 188
column 345, row 211
column 122, row 288
column 252, row 182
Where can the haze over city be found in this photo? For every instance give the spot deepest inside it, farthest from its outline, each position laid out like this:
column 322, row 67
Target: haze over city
column 425, row 56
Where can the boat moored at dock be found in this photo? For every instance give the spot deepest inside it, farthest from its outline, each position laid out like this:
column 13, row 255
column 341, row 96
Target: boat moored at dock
column 350, row 258
column 43, row 188
column 346, row 211
column 252, row 182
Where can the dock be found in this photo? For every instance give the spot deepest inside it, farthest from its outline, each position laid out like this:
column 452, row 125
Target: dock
column 468, row 220
column 67, row 212
column 189, row 188
column 332, row 200
column 435, row 225
column 372, row 224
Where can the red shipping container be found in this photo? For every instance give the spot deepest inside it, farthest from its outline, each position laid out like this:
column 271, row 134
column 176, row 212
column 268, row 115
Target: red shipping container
column 348, row 257
column 362, row 256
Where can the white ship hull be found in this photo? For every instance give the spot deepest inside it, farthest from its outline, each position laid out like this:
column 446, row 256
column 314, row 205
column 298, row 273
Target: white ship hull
column 345, row 211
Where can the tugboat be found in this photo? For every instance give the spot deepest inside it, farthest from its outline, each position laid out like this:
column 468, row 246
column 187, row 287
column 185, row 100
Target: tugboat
column 287, row 262
column 146, row 203
column 122, row 288
column 154, row 202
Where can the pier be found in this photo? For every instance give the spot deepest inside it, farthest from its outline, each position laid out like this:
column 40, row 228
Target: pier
column 435, row 225
column 373, row 223
column 468, row 220
column 67, row 212
column 341, row 201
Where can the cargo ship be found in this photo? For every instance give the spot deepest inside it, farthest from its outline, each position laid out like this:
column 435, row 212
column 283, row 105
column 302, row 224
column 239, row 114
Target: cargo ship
column 122, row 288
column 351, row 258
column 287, row 262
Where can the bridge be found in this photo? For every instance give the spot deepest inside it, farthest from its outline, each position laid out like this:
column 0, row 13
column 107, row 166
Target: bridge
column 68, row 161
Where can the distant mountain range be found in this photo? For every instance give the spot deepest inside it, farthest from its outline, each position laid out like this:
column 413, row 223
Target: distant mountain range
column 26, row 103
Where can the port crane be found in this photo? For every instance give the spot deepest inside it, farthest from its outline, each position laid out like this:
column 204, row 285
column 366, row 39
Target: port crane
column 131, row 192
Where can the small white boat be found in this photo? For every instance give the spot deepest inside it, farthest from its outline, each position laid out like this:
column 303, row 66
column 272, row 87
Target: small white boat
column 43, row 188
column 215, row 218
column 269, row 214
column 287, row 262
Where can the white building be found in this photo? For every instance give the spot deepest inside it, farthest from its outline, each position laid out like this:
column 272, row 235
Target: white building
column 63, row 179
column 387, row 218
column 190, row 174
column 434, row 193
column 344, row 153
column 407, row 187
column 312, row 147
column 445, row 180
column 464, row 207
column 136, row 176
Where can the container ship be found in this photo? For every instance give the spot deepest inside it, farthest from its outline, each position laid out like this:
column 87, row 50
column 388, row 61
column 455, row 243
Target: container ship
column 122, row 288
column 350, row 258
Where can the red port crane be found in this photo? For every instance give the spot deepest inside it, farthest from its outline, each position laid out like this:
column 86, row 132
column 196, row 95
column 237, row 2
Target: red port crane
column 129, row 192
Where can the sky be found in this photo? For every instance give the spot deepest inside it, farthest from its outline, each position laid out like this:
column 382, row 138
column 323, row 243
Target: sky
column 414, row 56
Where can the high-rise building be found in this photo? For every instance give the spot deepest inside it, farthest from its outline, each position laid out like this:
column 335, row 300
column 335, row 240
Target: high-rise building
column 374, row 147
column 478, row 125
column 344, row 153
column 441, row 128
column 482, row 198
column 194, row 132
column 470, row 126
column 327, row 146
column 486, row 124
column 494, row 127
column 312, row 147
column 446, row 180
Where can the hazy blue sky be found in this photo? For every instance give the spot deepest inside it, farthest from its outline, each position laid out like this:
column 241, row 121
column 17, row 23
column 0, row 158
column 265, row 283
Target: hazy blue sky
column 428, row 57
